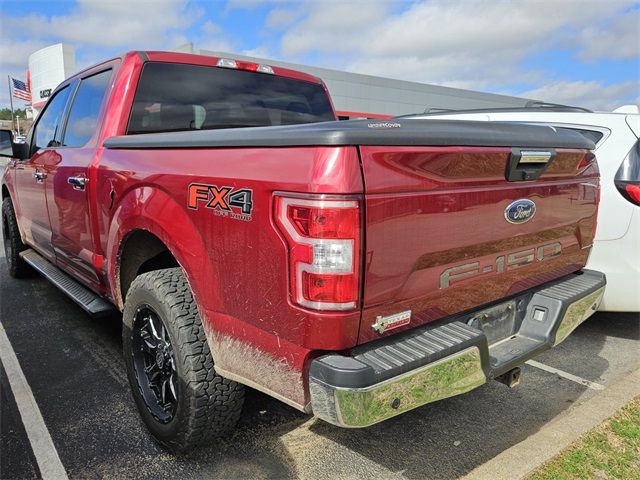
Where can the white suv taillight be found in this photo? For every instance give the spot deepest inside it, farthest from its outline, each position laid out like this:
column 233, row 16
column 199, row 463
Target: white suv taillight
column 323, row 235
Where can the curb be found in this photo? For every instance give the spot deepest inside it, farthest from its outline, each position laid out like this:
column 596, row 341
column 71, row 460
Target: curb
column 524, row 457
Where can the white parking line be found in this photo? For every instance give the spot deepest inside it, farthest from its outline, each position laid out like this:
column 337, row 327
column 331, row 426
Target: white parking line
column 568, row 376
column 43, row 449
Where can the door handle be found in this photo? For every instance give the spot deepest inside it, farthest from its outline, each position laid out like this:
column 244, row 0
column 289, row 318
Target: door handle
column 77, row 182
column 39, row 176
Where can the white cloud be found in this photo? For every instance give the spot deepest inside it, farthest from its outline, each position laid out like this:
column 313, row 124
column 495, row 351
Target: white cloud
column 281, row 17
column 243, row 4
column 13, row 62
column 98, row 29
column 215, row 45
column 14, row 53
column 335, row 27
column 108, row 24
column 480, row 26
column 618, row 39
column 261, row 51
column 143, row 23
column 210, row 28
column 590, row 94
column 213, row 38
column 475, row 44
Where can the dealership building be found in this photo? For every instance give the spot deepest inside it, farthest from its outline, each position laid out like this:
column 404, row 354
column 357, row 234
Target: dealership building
column 48, row 67
column 354, row 95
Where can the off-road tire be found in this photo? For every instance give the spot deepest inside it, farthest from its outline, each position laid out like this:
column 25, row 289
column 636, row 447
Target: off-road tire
column 13, row 245
column 208, row 405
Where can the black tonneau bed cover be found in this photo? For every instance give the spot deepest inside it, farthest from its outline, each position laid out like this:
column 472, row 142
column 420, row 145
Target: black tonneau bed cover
column 409, row 132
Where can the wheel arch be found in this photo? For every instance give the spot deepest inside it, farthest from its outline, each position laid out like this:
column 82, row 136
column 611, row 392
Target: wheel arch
column 150, row 231
column 141, row 252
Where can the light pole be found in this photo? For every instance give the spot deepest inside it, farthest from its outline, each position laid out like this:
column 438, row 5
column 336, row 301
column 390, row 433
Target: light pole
column 11, row 100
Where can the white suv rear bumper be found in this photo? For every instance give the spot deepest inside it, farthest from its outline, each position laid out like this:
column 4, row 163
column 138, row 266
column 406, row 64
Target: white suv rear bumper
column 620, row 260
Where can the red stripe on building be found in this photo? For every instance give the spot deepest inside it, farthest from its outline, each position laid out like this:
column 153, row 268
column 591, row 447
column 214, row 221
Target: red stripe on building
column 345, row 113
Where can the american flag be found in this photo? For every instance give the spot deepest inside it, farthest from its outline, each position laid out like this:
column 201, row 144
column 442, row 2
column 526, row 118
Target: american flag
column 20, row 90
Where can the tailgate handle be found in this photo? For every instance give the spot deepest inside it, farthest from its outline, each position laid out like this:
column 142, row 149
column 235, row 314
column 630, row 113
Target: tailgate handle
column 528, row 164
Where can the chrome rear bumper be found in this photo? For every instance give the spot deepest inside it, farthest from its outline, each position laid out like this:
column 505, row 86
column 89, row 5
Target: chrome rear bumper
column 402, row 372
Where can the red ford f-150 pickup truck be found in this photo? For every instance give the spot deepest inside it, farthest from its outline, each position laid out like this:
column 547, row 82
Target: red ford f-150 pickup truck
column 354, row 270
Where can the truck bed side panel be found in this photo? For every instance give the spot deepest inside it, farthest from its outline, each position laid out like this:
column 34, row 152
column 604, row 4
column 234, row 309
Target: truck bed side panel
column 236, row 264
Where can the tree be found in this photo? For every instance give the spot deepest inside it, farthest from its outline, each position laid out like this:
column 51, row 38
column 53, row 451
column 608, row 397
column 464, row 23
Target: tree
column 5, row 113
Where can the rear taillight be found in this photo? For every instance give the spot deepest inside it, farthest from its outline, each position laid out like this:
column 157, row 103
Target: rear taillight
column 634, row 192
column 630, row 191
column 323, row 236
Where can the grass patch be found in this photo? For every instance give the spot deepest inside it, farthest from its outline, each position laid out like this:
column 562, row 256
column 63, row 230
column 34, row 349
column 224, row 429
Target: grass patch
column 609, row 451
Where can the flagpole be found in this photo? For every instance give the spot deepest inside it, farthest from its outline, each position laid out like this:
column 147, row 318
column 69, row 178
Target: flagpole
column 11, row 100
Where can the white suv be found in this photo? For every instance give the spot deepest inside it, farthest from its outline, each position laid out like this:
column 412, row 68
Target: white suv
column 616, row 249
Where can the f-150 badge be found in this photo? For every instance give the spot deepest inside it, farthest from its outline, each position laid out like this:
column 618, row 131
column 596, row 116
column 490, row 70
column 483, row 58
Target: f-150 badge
column 224, row 201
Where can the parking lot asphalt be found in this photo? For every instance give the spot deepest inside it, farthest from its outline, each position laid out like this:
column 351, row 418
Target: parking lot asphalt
column 74, row 367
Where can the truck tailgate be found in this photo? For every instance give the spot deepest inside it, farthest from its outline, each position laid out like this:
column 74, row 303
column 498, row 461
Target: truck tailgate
column 443, row 231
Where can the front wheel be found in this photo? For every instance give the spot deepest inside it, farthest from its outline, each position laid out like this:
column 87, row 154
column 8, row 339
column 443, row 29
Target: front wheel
column 13, row 245
column 181, row 399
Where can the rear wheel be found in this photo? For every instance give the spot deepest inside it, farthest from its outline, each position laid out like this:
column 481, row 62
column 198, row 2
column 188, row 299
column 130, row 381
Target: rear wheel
column 181, row 399
column 13, row 245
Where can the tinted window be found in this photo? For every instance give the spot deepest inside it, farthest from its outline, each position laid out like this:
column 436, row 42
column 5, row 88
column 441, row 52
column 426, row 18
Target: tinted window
column 173, row 97
column 5, row 144
column 629, row 170
column 593, row 135
column 83, row 116
column 47, row 133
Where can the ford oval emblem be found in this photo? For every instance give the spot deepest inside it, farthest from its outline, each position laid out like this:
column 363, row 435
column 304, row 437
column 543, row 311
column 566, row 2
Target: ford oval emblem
column 520, row 211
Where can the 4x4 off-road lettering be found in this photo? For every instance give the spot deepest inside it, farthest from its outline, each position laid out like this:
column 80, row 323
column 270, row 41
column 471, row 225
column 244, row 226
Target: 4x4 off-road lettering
column 222, row 200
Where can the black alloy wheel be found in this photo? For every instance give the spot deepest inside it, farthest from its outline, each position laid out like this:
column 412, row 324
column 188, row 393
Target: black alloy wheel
column 154, row 364
column 181, row 399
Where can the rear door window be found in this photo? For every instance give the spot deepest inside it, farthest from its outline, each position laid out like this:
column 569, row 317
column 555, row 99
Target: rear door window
column 174, row 97
column 87, row 103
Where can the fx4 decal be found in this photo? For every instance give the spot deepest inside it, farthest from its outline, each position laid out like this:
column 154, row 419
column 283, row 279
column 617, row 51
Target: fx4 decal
column 224, row 201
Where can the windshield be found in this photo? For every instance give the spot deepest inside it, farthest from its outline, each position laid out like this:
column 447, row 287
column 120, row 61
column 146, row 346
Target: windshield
column 174, row 97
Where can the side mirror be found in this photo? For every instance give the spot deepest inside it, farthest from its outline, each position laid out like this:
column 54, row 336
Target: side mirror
column 11, row 149
column 6, row 143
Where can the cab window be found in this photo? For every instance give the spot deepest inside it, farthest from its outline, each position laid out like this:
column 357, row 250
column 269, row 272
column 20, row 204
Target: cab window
column 48, row 129
column 173, row 97
column 83, row 117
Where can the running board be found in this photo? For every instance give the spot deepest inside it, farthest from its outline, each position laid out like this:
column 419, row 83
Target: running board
column 90, row 302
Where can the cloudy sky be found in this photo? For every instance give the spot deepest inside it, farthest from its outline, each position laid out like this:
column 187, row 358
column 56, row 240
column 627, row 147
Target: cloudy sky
column 581, row 52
